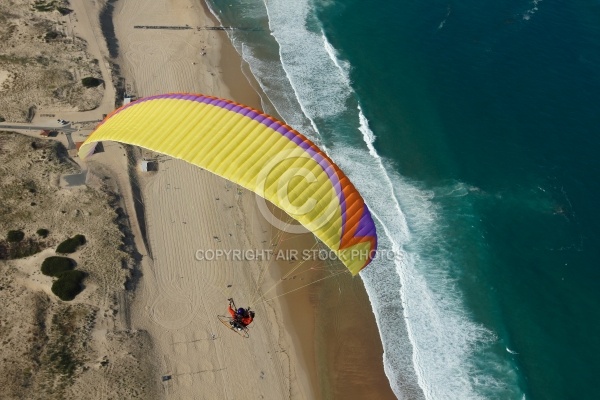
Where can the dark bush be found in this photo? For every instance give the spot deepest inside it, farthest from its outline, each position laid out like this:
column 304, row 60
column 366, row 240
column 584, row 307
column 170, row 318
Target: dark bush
column 64, row 10
column 43, row 232
column 80, row 239
column 90, row 82
column 44, row 7
column 15, row 236
column 56, row 265
column 2, row 119
column 51, row 35
column 68, row 285
column 67, row 247
column 30, row 186
column 71, row 244
column 25, row 248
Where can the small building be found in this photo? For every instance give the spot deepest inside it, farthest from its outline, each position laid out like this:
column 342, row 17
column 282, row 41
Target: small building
column 148, row 165
column 127, row 100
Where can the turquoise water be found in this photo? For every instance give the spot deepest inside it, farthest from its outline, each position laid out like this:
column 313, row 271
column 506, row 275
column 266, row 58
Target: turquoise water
column 471, row 128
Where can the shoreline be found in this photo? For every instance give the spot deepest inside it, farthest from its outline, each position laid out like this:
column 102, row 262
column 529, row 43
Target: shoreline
column 308, row 336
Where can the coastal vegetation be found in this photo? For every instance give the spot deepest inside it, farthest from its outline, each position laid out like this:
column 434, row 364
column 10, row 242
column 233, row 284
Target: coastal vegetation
column 44, row 6
column 68, row 285
column 71, row 245
column 43, row 232
column 46, row 345
column 52, row 35
column 15, row 236
column 41, row 60
column 90, row 82
column 56, row 265
column 22, row 249
column 16, row 245
column 69, row 282
column 45, row 323
column 49, row 6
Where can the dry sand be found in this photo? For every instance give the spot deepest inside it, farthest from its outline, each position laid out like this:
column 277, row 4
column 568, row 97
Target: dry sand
column 302, row 345
column 188, row 209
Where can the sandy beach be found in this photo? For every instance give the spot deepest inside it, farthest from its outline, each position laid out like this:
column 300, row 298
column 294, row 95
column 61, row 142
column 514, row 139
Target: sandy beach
column 308, row 344
column 314, row 335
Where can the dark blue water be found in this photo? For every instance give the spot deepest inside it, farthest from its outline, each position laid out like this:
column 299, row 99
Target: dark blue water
column 472, row 129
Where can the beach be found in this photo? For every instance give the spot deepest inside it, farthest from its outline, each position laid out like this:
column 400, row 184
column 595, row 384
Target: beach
column 147, row 322
column 317, row 342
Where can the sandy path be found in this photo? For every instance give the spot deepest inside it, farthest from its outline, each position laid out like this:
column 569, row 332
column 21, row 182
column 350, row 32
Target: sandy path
column 88, row 30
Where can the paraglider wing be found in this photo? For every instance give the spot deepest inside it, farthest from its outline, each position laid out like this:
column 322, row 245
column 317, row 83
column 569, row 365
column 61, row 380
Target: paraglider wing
column 257, row 152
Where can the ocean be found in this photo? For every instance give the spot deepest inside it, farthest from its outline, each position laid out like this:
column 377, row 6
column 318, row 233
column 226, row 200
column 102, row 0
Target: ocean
column 472, row 130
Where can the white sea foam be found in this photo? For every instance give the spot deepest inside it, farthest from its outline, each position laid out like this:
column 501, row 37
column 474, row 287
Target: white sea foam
column 532, row 10
column 342, row 65
column 448, row 11
column 271, row 76
column 322, row 92
column 421, row 300
column 442, row 336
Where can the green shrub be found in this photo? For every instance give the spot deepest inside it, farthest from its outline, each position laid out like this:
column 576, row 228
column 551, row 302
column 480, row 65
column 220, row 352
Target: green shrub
column 68, row 285
column 80, row 239
column 67, row 247
column 55, row 265
column 90, row 82
column 15, row 236
column 43, row 232
column 2, row 119
column 71, row 244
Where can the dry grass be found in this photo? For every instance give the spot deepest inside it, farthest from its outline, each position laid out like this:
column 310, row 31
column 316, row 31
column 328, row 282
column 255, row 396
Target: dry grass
column 41, row 62
column 46, row 345
column 50, row 349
